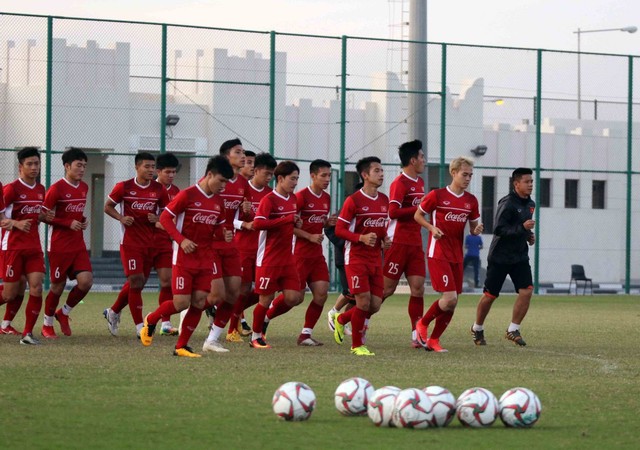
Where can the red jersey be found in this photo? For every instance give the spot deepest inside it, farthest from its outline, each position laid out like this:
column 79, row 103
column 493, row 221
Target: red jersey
column 275, row 220
column 247, row 240
column 22, row 202
column 138, row 201
column 450, row 213
column 69, row 202
column 235, row 192
column 362, row 214
column 161, row 238
column 314, row 211
column 197, row 217
column 404, row 197
column 2, row 207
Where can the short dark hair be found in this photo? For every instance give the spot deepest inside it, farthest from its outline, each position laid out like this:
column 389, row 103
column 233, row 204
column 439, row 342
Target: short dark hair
column 220, row 165
column 285, row 168
column 517, row 174
column 318, row 164
column 409, row 150
column 73, row 154
column 365, row 164
column 167, row 160
column 249, row 153
column 226, row 146
column 28, row 152
column 265, row 160
column 143, row 156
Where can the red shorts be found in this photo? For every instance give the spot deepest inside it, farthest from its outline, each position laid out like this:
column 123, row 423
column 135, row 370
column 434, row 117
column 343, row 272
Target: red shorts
column 445, row 276
column 311, row 270
column 63, row 265
column 248, row 267
column 136, row 260
column 230, row 262
column 365, row 278
column 163, row 258
column 273, row 279
column 22, row 262
column 185, row 281
column 403, row 258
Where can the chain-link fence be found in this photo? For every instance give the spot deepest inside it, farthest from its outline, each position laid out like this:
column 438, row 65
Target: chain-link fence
column 108, row 87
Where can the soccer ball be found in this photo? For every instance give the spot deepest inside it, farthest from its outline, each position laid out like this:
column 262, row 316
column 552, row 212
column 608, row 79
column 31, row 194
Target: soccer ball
column 477, row 407
column 294, row 401
column 380, row 405
column 412, row 409
column 352, row 396
column 520, row 407
column 444, row 405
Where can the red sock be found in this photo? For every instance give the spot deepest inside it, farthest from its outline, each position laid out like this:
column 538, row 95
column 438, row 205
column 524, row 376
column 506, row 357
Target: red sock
column 252, row 299
column 164, row 295
column 259, row 313
column 122, row 300
column 189, row 325
column 32, row 311
column 13, row 307
column 433, row 312
column 75, row 296
column 238, row 307
column 135, row 305
column 279, row 308
column 314, row 311
column 442, row 322
column 416, row 310
column 346, row 316
column 167, row 309
column 2, row 302
column 51, row 303
column 222, row 314
column 357, row 326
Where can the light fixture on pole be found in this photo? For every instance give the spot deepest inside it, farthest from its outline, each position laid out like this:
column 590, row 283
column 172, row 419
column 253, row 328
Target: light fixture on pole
column 578, row 32
column 171, row 121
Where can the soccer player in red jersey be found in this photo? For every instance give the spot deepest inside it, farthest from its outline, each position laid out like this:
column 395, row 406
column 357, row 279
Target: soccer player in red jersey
column 22, row 251
column 450, row 209
column 275, row 267
column 68, row 256
column 248, row 169
column 406, row 255
column 237, row 202
column 313, row 208
column 139, row 198
column 363, row 224
column 194, row 220
column 246, row 239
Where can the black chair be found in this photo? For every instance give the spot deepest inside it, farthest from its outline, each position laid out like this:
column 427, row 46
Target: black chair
column 577, row 274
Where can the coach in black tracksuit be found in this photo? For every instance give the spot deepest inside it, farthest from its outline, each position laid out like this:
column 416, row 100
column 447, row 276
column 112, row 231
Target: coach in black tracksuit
column 509, row 255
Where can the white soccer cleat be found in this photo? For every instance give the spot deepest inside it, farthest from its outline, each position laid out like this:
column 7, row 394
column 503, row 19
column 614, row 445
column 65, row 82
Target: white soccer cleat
column 330, row 315
column 214, row 347
column 113, row 321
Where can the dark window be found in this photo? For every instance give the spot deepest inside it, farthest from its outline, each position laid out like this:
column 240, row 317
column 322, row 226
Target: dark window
column 488, row 203
column 598, row 194
column 570, row 193
column 545, row 192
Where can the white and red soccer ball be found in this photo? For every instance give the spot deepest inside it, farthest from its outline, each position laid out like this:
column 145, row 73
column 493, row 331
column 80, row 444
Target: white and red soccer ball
column 294, row 401
column 412, row 409
column 352, row 396
column 519, row 407
column 477, row 408
column 380, row 407
column 444, row 405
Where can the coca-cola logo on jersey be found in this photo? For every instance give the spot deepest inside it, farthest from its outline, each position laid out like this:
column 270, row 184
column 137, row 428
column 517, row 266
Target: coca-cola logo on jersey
column 207, row 219
column 79, row 208
column 26, row 209
column 416, row 201
column 235, row 204
column 453, row 217
column 144, row 206
column 317, row 218
column 375, row 223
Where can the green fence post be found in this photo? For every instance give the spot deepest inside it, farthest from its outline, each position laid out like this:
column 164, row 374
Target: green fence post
column 627, row 271
column 343, row 121
column 443, row 116
column 272, row 94
column 49, row 114
column 536, row 118
column 163, row 91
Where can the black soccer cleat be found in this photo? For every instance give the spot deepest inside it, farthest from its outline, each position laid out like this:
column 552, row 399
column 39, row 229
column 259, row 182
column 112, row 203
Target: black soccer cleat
column 478, row 337
column 514, row 336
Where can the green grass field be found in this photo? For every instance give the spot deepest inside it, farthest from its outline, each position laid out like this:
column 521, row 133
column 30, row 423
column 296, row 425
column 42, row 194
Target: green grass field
column 93, row 390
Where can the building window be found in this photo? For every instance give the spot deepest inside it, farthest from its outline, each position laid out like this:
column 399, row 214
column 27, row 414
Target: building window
column 598, row 194
column 545, row 192
column 488, row 203
column 570, row 193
